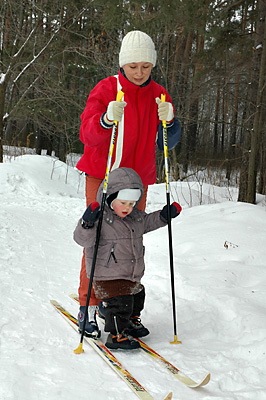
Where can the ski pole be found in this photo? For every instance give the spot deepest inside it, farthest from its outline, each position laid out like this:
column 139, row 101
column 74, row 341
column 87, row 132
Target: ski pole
column 165, row 146
column 80, row 350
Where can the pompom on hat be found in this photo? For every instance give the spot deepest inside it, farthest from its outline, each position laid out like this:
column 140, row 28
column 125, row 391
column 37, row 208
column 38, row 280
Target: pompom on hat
column 137, row 47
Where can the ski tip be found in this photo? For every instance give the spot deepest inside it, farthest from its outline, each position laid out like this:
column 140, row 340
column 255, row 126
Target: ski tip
column 169, row 396
column 206, row 380
column 79, row 350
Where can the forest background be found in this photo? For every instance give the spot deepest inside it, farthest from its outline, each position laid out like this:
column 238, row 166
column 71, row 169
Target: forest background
column 211, row 59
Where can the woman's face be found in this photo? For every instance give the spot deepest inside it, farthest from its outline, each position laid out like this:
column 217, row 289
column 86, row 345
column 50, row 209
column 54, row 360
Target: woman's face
column 138, row 73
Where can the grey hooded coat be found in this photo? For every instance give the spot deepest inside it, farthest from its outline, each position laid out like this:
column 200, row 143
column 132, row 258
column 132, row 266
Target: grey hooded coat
column 120, row 252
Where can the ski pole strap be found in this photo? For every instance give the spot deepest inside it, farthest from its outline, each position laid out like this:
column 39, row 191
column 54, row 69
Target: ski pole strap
column 165, row 148
column 119, row 97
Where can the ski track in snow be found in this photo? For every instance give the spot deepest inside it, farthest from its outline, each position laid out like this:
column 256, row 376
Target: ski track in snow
column 220, row 292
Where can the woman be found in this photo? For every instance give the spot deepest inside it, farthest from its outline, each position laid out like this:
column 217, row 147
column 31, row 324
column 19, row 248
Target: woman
column 139, row 117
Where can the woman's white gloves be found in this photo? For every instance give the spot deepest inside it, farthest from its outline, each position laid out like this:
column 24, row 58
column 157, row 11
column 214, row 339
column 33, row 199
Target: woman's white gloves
column 165, row 110
column 115, row 111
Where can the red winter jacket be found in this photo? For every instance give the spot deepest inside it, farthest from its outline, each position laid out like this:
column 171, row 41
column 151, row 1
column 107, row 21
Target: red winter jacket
column 135, row 141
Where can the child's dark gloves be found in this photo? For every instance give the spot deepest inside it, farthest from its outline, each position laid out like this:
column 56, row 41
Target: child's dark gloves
column 175, row 210
column 91, row 215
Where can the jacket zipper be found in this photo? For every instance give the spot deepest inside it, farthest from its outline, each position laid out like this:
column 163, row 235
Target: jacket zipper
column 112, row 254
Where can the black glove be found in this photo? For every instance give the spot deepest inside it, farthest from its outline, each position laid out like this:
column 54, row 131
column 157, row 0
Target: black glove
column 175, row 210
column 91, row 215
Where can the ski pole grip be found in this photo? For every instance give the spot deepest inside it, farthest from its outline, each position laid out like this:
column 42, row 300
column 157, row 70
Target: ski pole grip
column 119, row 95
column 163, row 100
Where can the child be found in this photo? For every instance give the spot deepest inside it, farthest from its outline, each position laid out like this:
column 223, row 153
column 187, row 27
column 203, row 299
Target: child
column 120, row 258
column 139, row 129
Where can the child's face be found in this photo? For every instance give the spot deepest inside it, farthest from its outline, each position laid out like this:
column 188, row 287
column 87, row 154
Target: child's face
column 123, row 207
column 138, row 73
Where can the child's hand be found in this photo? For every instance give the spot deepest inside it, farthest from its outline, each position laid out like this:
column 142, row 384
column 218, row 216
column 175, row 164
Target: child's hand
column 165, row 110
column 115, row 110
column 91, row 215
column 175, row 210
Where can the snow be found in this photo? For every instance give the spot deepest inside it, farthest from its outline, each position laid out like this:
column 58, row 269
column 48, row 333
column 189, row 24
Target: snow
column 220, row 281
column 2, row 78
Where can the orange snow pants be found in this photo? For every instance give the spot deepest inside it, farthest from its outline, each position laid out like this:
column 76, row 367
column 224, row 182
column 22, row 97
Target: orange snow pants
column 91, row 188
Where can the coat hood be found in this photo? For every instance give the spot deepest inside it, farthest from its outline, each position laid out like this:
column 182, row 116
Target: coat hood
column 121, row 178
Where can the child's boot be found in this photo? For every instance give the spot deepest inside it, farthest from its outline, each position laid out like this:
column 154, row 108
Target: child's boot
column 136, row 328
column 121, row 341
column 91, row 327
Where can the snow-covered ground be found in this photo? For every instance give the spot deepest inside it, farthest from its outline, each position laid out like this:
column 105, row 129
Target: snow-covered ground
column 220, row 282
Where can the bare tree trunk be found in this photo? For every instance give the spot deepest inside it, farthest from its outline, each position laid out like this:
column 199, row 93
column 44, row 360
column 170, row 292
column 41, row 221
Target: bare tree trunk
column 2, row 102
column 247, row 123
column 258, row 119
column 225, row 115
column 233, row 130
column 217, row 109
column 262, row 179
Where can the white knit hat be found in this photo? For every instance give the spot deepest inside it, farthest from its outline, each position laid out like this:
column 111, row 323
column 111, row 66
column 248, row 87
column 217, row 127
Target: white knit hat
column 137, row 47
column 129, row 194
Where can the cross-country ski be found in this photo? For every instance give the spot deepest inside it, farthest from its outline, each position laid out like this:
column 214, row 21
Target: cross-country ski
column 108, row 357
column 163, row 362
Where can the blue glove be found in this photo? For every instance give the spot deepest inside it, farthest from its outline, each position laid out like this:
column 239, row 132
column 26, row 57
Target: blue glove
column 175, row 210
column 91, row 215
